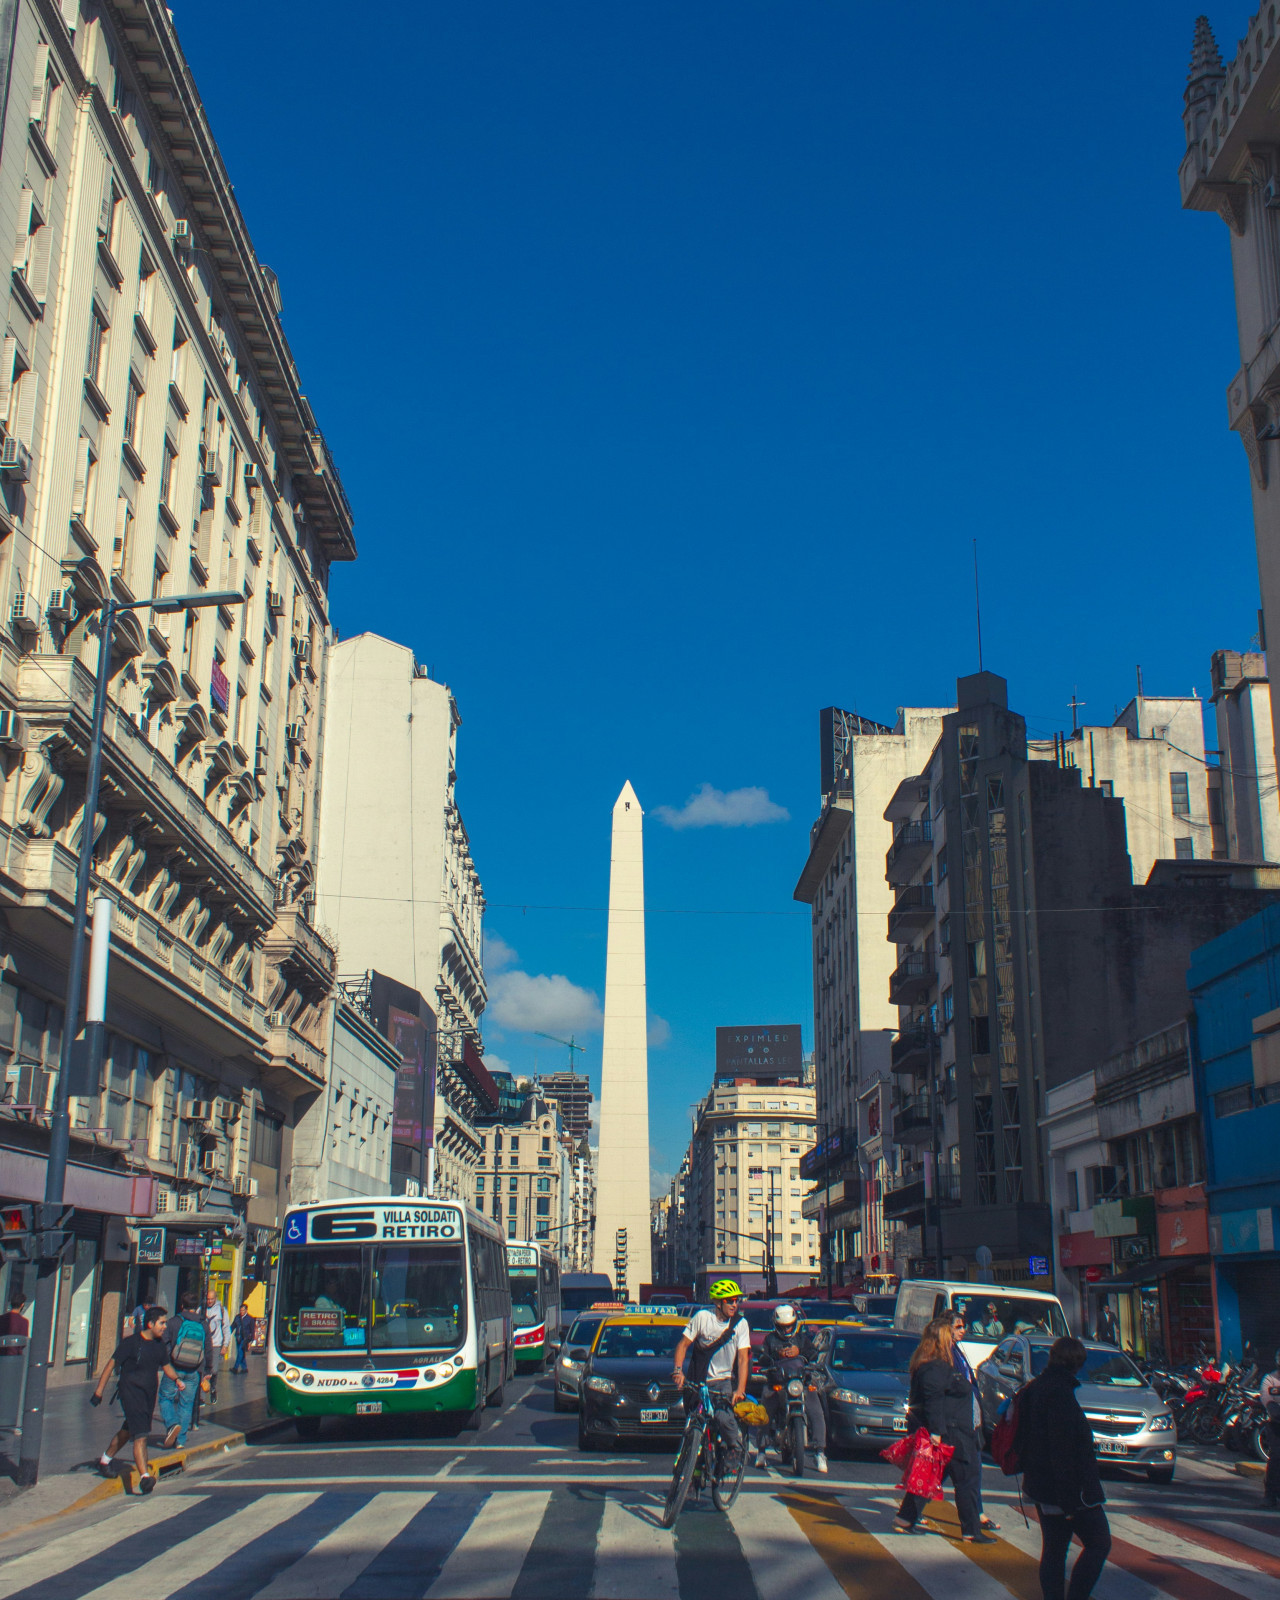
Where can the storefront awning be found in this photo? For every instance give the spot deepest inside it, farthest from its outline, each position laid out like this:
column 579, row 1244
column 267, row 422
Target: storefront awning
column 105, row 1190
column 195, row 1221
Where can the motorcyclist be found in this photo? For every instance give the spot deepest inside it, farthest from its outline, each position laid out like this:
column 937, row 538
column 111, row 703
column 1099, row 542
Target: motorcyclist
column 1269, row 1394
column 788, row 1347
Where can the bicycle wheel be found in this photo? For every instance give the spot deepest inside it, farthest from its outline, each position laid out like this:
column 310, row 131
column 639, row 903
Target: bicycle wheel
column 724, row 1488
column 798, row 1432
column 682, row 1473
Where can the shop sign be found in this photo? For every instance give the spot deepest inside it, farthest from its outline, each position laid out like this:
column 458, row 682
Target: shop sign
column 1093, row 1274
column 813, row 1161
column 1137, row 1248
column 1038, row 1266
column 1083, row 1250
column 1242, row 1232
column 1182, row 1222
column 188, row 1244
column 151, row 1247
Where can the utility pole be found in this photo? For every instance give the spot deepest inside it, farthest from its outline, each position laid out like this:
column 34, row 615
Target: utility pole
column 60, row 1127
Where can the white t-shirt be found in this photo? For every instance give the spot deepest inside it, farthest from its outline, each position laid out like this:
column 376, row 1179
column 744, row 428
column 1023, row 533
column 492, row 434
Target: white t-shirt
column 704, row 1328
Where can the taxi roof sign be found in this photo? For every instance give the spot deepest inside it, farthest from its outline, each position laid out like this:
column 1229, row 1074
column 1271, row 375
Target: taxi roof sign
column 626, row 1309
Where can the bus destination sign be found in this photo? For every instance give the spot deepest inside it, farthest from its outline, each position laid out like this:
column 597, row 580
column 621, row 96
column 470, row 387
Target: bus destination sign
column 356, row 1225
column 521, row 1255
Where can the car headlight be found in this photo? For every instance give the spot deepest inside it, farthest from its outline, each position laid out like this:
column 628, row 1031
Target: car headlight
column 1161, row 1424
column 602, row 1385
column 795, row 1387
column 849, row 1397
column 570, row 1366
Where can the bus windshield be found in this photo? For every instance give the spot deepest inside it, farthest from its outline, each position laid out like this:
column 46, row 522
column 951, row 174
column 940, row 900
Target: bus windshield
column 990, row 1318
column 325, row 1295
column 525, row 1312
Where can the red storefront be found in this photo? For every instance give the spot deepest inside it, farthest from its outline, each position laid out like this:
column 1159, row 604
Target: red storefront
column 1186, row 1276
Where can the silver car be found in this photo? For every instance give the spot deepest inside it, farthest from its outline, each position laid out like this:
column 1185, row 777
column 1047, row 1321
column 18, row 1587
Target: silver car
column 574, row 1350
column 868, row 1383
column 1131, row 1424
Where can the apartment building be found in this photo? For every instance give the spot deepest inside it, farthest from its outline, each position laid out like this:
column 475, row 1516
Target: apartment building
column 528, row 1177
column 155, row 442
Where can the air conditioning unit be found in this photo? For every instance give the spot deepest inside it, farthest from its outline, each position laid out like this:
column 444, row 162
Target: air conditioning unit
column 294, row 732
column 302, row 649
column 188, row 1162
column 275, row 602
column 252, row 476
column 24, row 614
column 210, row 1163
column 182, row 234
column 246, row 1188
column 210, row 466
column 11, row 730
column 277, row 1019
column 62, row 605
column 15, row 459
column 198, row 1111
column 226, row 1110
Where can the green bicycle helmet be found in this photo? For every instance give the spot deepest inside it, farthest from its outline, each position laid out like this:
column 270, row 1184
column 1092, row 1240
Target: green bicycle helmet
column 724, row 1289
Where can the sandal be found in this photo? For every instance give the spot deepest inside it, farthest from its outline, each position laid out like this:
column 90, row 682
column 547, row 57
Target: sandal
column 987, row 1526
column 977, row 1538
column 899, row 1526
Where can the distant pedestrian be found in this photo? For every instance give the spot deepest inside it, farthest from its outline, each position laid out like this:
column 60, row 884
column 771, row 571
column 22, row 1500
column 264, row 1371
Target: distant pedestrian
column 1060, row 1473
column 242, row 1329
column 186, row 1340
column 12, row 1321
column 960, row 1362
column 218, row 1324
column 1269, row 1393
column 941, row 1401
column 1108, row 1327
column 137, row 1360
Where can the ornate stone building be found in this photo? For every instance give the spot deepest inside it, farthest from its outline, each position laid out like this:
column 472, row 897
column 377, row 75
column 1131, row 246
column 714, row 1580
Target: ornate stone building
column 155, row 441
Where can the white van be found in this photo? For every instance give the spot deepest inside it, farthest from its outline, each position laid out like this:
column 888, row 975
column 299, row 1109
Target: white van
column 991, row 1312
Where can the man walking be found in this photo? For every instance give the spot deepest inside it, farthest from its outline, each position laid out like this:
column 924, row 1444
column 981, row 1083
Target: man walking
column 242, row 1328
column 218, row 1324
column 187, row 1339
column 138, row 1359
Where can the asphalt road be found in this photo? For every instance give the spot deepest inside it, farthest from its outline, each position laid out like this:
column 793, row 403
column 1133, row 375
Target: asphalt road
column 385, row 1508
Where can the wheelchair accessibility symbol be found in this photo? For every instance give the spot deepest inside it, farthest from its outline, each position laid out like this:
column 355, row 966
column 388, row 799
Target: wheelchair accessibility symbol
column 296, row 1230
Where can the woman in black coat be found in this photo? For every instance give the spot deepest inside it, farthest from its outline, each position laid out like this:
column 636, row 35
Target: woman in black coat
column 1060, row 1473
column 941, row 1401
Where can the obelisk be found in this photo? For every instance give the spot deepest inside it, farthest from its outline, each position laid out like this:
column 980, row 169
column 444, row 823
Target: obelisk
column 622, row 1170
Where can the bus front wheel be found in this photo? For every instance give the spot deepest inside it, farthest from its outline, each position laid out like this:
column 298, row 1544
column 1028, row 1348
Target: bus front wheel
column 476, row 1417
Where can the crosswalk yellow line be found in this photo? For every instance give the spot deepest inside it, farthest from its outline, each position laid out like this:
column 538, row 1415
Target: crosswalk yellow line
column 1002, row 1561
column 784, row 1564
column 857, row 1560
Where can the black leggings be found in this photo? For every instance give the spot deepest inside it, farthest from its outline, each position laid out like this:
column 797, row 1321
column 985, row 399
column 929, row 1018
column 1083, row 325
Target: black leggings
column 1094, row 1532
column 965, row 1471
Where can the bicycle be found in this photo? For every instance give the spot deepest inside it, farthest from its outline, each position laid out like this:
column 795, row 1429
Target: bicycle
column 701, row 1459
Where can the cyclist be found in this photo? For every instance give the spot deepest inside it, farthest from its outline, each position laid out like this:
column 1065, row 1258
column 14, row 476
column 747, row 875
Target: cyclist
column 721, row 1345
column 787, row 1349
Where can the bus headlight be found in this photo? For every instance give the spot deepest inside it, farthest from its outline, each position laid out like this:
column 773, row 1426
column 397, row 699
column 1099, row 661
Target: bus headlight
column 291, row 1374
column 602, row 1385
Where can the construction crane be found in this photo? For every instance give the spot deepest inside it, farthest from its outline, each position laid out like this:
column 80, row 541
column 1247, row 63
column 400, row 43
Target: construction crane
column 567, row 1043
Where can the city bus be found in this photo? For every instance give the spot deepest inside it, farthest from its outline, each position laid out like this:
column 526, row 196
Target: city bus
column 387, row 1306
column 535, row 1300
column 579, row 1291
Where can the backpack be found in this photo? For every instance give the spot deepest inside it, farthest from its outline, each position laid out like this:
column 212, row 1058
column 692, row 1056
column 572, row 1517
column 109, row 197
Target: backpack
column 1004, row 1439
column 188, row 1345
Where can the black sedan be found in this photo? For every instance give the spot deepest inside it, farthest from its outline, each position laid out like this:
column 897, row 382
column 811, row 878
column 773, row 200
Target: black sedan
column 626, row 1390
column 868, row 1382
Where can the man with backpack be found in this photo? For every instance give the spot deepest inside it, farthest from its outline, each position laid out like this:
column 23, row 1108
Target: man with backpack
column 187, row 1340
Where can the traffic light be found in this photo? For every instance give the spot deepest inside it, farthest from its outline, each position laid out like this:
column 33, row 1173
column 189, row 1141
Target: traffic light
column 29, row 1233
column 16, row 1231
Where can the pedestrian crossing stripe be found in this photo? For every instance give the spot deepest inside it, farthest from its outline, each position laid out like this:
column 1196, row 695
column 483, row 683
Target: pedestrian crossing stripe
column 588, row 1542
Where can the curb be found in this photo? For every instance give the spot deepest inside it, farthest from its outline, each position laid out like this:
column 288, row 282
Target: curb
column 165, row 1464
column 1250, row 1469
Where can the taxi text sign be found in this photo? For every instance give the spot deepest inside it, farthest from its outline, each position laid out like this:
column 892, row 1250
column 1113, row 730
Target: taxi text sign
column 358, row 1225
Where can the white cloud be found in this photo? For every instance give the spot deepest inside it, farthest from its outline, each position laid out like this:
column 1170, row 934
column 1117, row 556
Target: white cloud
column 498, row 954
column 526, row 1002
column 659, row 1183
column 714, row 808
column 659, row 1031
column 496, row 1063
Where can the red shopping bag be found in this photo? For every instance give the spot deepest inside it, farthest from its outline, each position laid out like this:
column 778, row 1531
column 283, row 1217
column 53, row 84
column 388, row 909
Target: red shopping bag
column 925, row 1463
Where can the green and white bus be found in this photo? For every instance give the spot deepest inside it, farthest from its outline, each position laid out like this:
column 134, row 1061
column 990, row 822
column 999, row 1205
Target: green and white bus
column 388, row 1306
column 535, row 1300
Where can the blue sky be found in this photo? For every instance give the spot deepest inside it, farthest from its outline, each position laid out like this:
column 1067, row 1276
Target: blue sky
column 674, row 354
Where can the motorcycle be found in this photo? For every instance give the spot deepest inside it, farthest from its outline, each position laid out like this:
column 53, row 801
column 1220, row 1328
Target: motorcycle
column 791, row 1432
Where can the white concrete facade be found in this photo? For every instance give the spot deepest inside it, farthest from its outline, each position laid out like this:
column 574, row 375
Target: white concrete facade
column 1246, row 756
column 622, row 1185
column 342, row 1143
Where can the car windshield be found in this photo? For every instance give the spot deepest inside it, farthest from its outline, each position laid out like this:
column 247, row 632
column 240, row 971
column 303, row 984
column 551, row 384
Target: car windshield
column 524, row 1298
column 633, row 1342
column 872, row 1352
column 1109, row 1369
column 583, row 1331
column 759, row 1318
column 879, row 1305
column 822, row 1310
column 577, row 1297
column 990, row 1318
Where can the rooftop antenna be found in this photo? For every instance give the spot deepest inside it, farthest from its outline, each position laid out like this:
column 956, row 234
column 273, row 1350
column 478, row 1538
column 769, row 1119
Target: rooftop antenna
column 977, row 602
column 1139, row 683
column 1076, row 706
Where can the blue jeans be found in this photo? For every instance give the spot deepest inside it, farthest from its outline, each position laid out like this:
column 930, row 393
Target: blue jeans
column 240, row 1365
column 176, row 1404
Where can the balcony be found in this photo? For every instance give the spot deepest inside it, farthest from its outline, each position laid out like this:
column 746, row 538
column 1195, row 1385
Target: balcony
column 912, row 910
column 905, row 1201
column 913, row 1121
column 911, row 846
column 911, row 1051
column 911, row 979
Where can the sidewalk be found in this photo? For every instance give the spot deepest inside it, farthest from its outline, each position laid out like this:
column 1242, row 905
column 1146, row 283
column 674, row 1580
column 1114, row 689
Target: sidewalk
column 75, row 1433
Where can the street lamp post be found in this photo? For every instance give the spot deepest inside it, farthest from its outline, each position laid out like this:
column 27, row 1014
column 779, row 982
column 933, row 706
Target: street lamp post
column 60, row 1128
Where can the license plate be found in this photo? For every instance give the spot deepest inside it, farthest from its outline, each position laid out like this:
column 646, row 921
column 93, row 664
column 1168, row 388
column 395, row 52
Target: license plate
column 653, row 1416
column 899, row 1424
column 1112, row 1447
column 368, row 1408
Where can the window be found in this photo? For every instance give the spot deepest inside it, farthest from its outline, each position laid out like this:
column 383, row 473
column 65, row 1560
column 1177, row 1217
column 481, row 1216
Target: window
column 1230, row 1102
column 515, row 1142
column 479, row 1182
column 980, row 1036
column 133, row 412
column 95, row 366
column 513, row 1161
column 1180, row 794
column 112, row 218
column 948, row 1006
column 511, row 1206
column 166, row 471
column 1107, row 787
column 544, row 1161
column 178, row 365
column 124, row 533
column 546, row 1144
column 513, row 1183
column 1184, row 849
column 85, row 483
column 146, row 290
column 129, row 1077
column 544, row 1185
column 266, row 1146
column 942, row 864
column 1073, row 1190
column 543, row 1207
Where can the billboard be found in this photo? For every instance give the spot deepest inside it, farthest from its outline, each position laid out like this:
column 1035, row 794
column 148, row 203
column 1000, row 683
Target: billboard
column 767, row 1050
column 405, row 1019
